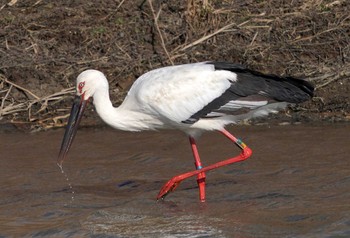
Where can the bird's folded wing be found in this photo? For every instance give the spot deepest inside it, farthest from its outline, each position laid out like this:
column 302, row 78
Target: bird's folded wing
column 177, row 94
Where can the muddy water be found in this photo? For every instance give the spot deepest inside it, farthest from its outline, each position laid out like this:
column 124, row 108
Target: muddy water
column 297, row 184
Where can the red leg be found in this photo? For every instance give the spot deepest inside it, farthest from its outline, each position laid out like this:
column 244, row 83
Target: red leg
column 198, row 164
column 174, row 182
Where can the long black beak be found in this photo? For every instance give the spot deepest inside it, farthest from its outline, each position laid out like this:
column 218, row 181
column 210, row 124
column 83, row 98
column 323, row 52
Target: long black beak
column 72, row 127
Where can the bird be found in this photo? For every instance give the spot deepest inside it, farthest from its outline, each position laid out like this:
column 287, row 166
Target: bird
column 193, row 98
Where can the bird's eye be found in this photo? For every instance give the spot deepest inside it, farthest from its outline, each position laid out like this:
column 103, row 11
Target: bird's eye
column 80, row 87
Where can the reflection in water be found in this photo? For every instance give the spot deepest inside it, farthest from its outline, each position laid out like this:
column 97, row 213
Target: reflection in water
column 295, row 185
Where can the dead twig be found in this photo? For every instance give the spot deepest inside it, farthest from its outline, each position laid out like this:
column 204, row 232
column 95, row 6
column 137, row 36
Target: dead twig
column 114, row 11
column 104, row 58
column 204, row 38
column 334, row 78
column 155, row 19
column 53, row 97
column 28, row 105
column 4, row 99
column 21, row 88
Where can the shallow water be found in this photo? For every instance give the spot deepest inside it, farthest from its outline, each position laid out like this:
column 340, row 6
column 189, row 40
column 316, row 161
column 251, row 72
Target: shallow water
column 296, row 184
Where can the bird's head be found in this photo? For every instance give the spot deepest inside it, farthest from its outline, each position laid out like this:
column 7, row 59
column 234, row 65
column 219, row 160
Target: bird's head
column 88, row 83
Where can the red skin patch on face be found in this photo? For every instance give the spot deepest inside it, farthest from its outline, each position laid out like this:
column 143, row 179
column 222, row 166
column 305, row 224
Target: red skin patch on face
column 80, row 87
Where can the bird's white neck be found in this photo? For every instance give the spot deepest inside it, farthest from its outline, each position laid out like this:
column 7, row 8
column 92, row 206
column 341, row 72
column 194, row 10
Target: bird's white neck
column 120, row 117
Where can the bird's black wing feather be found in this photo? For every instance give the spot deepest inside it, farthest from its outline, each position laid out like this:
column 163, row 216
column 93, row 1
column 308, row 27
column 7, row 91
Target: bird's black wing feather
column 286, row 89
column 250, row 82
column 213, row 105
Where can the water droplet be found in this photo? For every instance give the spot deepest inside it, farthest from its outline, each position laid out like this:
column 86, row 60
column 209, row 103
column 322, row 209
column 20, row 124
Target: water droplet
column 69, row 184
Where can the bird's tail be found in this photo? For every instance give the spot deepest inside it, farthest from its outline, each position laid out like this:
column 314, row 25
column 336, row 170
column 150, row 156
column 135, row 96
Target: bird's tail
column 289, row 89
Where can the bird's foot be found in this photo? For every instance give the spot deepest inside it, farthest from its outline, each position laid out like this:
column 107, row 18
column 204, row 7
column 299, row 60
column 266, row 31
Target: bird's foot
column 170, row 186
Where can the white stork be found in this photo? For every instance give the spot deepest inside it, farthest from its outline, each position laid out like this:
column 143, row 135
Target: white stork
column 192, row 98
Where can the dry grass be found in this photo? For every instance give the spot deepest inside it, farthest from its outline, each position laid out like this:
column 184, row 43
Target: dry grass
column 9, row 106
column 44, row 45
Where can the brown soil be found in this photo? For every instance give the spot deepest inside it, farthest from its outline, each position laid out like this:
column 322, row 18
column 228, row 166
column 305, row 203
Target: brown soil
column 45, row 44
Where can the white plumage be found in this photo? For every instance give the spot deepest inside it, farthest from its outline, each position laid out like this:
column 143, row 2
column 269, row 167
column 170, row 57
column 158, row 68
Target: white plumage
column 163, row 98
